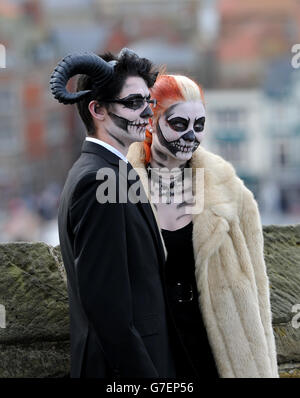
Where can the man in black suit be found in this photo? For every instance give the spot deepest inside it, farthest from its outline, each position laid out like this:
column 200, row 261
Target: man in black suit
column 111, row 250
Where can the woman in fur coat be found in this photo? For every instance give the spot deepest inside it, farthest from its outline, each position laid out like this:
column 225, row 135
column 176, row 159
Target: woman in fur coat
column 215, row 274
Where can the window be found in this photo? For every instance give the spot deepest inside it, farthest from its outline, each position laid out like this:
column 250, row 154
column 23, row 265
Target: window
column 55, row 128
column 7, row 132
column 7, row 101
column 231, row 151
column 294, row 150
column 229, row 117
column 286, row 152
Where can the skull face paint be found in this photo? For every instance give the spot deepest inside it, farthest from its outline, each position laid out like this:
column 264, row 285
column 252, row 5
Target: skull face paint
column 129, row 118
column 179, row 130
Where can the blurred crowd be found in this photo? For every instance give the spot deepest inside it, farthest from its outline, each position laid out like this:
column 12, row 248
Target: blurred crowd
column 239, row 51
column 32, row 217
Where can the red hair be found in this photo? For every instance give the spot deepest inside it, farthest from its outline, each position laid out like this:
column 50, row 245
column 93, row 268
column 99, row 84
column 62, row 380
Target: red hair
column 167, row 90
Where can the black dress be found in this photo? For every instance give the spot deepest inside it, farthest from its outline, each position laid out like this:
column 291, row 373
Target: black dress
column 183, row 300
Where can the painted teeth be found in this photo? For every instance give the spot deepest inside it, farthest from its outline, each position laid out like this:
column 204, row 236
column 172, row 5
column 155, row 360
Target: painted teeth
column 182, row 148
column 139, row 125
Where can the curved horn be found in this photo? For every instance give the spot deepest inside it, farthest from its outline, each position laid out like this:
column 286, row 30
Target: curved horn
column 79, row 63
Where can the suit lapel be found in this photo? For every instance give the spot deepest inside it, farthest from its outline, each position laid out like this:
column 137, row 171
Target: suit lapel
column 147, row 212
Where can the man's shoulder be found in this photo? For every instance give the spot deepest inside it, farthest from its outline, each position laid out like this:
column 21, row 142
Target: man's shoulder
column 84, row 170
column 87, row 166
column 88, row 172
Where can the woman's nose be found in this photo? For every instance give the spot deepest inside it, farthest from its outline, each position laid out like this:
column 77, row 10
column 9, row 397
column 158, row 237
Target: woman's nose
column 189, row 136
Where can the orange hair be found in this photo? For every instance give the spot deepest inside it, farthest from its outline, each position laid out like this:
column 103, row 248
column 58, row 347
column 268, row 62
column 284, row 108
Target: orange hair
column 167, row 90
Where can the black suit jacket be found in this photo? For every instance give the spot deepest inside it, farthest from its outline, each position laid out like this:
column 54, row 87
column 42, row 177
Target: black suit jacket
column 113, row 257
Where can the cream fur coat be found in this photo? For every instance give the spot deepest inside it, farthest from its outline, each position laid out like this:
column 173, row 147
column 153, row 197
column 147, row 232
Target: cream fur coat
column 230, row 270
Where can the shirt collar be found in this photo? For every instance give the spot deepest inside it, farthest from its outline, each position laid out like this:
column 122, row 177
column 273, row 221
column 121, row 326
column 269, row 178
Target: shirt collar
column 107, row 146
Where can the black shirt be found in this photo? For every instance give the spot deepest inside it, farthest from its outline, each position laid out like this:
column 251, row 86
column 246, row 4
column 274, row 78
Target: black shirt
column 183, row 298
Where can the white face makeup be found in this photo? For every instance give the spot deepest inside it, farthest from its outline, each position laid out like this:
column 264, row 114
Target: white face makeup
column 179, row 130
column 129, row 118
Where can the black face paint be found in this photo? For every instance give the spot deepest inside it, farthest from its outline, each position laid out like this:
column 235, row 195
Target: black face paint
column 199, row 124
column 134, row 101
column 160, row 164
column 119, row 121
column 184, row 204
column 196, row 144
column 123, row 123
column 178, row 124
column 164, row 142
column 169, row 111
column 189, row 136
column 160, row 154
column 172, row 146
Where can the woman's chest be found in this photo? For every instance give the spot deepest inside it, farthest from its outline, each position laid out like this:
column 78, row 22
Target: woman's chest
column 172, row 216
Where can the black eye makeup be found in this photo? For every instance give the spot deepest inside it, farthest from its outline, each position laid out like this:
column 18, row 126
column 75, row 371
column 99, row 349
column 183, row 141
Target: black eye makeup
column 135, row 101
column 199, row 124
column 178, row 124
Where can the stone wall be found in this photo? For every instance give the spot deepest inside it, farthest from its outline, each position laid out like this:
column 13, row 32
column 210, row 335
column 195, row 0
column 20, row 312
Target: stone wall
column 282, row 255
column 35, row 340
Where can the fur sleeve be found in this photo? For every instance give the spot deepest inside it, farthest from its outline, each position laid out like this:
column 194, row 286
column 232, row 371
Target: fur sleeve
column 252, row 230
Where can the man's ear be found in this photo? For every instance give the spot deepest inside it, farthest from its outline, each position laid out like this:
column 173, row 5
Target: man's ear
column 97, row 111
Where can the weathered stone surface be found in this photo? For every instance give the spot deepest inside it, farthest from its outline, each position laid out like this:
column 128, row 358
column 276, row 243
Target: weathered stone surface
column 39, row 359
column 35, row 342
column 36, row 304
column 282, row 255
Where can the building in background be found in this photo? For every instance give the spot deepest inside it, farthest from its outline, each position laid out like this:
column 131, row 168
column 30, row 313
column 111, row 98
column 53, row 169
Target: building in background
column 251, row 34
column 35, row 146
column 239, row 51
column 234, row 130
column 260, row 135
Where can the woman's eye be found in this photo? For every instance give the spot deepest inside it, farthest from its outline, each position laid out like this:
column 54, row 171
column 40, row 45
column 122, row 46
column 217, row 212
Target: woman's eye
column 177, row 125
column 199, row 127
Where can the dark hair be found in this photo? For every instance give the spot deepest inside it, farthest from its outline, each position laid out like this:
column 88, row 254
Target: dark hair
column 129, row 64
